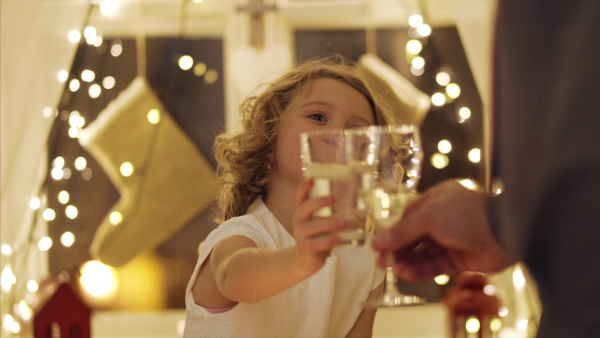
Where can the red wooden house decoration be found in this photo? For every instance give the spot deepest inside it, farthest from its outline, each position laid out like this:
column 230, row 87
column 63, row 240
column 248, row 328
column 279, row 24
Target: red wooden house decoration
column 60, row 311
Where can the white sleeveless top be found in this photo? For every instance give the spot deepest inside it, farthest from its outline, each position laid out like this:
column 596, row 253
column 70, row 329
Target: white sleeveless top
column 325, row 305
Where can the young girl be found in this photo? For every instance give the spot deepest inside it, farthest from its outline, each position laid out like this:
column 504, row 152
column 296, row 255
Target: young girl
column 271, row 269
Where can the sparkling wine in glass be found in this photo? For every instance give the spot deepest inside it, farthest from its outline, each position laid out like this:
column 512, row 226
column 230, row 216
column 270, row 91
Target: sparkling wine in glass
column 398, row 170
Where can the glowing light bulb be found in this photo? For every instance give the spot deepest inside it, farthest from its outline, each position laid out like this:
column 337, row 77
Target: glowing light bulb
column 415, row 20
column 442, row 279
column 442, row 78
column 186, row 62
column 97, row 279
column 67, row 239
column 211, row 76
column 475, row 155
column 439, row 161
column 444, row 146
column 414, row 46
column 438, row 99
column 63, row 197
column 45, row 243
column 154, row 116
column 126, row 169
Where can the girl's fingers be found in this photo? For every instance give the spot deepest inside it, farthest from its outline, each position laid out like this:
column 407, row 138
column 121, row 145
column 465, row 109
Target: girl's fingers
column 317, row 226
column 307, row 208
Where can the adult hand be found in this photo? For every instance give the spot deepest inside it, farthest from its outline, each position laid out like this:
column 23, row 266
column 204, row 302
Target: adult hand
column 450, row 221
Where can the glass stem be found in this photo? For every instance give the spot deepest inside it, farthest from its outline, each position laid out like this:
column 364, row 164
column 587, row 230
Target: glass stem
column 390, row 278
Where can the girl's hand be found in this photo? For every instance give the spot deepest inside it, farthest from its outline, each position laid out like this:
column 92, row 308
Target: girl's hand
column 315, row 236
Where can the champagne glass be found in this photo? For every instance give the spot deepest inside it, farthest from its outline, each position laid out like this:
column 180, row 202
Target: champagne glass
column 398, row 155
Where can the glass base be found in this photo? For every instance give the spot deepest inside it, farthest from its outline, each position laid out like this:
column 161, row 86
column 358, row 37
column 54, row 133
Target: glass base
column 395, row 299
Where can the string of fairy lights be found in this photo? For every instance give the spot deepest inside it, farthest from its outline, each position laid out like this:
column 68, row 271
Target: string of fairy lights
column 18, row 287
column 448, row 91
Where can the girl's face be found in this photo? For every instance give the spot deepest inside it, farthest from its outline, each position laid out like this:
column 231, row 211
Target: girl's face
column 325, row 104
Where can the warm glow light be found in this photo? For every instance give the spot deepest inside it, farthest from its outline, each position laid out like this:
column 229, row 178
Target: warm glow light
column 49, row 112
column 35, row 203
column 415, row 20
column 496, row 325
column 95, row 90
column 472, row 325
column 67, row 239
column 7, row 278
column 63, row 197
column 9, row 323
column 414, row 46
column 45, row 243
column 424, row 30
column 74, row 85
column 475, row 155
column 442, row 279
column 115, row 218
column 25, row 310
column 126, row 169
column 76, row 120
column 453, row 90
column 211, row 76
column 503, row 311
column 62, row 76
column 438, row 99
column 442, row 78
column 522, row 324
column 489, row 289
column 71, row 211
column 56, row 173
column 154, row 116
column 439, row 161
column 97, row 279
column 80, row 163
column 199, row 68
column 108, row 82
column 74, row 132
column 417, row 72
column 32, row 285
column 58, row 162
column 186, row 62
column 469, row 184
column 98, row 41
column 464, row 113
column 88, row 75
column 116, row 49
column 74, row 36
column 444, row 146
column 90, row 35
column 6, row 249
column 518, row 278
column 109, row 7
column 49, row 215
column 418, row 62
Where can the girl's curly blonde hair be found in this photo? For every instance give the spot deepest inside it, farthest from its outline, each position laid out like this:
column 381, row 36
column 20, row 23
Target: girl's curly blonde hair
column 244, row 157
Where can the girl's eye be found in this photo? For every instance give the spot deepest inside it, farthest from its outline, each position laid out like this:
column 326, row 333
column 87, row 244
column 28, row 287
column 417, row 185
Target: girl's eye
column 317, row 117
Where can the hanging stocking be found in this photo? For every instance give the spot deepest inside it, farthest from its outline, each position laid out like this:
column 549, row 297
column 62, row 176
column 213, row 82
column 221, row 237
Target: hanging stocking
column 171, row 181
column 407, row 103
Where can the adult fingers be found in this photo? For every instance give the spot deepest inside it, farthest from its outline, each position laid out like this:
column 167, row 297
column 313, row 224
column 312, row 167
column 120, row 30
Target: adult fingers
column 402, row 235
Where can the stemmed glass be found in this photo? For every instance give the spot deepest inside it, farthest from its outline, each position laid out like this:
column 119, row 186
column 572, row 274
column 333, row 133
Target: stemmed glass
column 398, row 153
